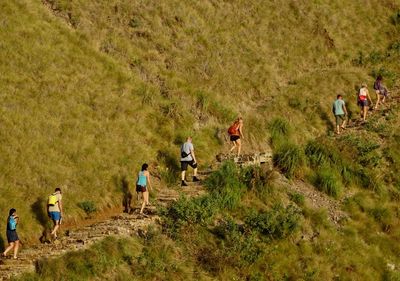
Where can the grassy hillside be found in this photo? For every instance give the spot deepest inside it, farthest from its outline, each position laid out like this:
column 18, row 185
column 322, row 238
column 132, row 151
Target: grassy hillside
column 90, row 90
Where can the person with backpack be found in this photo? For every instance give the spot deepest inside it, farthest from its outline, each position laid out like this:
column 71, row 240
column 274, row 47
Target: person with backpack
column 12, row 236
column 380, row 91
column 235, row 132
column 363, row 98
column 55, row 210
column 340, row 111
column 188, row 158
column 143, row 186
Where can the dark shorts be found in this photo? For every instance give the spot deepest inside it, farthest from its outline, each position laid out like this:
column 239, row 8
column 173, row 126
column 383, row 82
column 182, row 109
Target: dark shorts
column 339, row 119
column 363, row 103
column 12, row 236
column 55, row 216
column 141, row 188
column 234, row 138
column 185, row 164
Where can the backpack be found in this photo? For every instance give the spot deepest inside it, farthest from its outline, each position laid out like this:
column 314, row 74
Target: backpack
column 52, row 200
column 233, row 129
column 12, row 224
column 183, row 153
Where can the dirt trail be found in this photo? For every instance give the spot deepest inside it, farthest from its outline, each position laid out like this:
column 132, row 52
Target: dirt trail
column 119, row 225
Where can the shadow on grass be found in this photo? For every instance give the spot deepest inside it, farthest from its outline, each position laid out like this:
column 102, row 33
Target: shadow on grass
column 38, row 208
column 127, row 195
column 2, row 245
column 326, row 118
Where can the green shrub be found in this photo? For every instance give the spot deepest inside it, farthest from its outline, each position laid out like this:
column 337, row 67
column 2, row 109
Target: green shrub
column 88, row 206
column 297, row 198
column 288, row 158
column 277, row 223
column 239, row 246
column 226, row 185
column 186, row 211
column 327, row 181
column 369, row 179
column 319, row 153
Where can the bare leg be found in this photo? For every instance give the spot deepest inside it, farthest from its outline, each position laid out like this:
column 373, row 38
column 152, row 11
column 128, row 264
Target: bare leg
column 183, row 174
column 233, row 146
column 378, row 99
column 364, row 113
column 56, row 226
column 239, row 146
column 16, row 249
column 337, row 129
column 343, row 124
column 195, row 172
column 9, row 248
column 145, row 200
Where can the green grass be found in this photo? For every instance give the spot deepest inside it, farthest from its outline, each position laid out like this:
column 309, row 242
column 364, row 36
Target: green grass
column 91, row 90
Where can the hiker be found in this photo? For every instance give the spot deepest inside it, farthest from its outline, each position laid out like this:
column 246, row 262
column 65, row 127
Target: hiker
column 380, row 91
column 55, row 210
column 340, row 111
column 235, row 132
column 143, row 186
column 12, row 236
column 188, row 158
column 363, row 98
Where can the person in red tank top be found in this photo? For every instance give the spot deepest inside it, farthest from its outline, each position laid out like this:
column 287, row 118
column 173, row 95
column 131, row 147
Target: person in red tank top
column 236, row 134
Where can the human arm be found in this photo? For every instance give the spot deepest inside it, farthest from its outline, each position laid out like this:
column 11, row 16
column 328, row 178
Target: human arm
column 344, row 109
column 240, row 129
column 193, row 155
column 60, row 206
column 148, row 179
column 16, row 218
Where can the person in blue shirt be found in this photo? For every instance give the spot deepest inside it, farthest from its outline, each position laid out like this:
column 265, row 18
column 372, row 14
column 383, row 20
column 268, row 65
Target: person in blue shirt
column 143, row 186
column 12, row 236
column 340, row 111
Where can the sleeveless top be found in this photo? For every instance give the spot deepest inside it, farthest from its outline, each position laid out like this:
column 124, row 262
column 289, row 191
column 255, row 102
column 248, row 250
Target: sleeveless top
column 363, row 94
column 142, row 179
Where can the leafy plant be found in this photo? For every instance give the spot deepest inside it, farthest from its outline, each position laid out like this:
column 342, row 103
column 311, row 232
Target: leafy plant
column 277, row 223
column 88, row 206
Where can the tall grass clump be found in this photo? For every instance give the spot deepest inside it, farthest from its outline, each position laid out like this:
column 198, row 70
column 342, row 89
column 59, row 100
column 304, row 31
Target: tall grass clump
column 226, row 186
column 327, row 180
column 288, row 158
column 322, row 153
column 279, row 130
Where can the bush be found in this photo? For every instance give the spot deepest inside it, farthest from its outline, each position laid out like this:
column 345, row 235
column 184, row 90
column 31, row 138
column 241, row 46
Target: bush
column 186, row 211
column 297, row 198
column 226, row 185
column 326, row 180
column 88, row 206
column 239, row 246
column 288, row 158
column 277, row 223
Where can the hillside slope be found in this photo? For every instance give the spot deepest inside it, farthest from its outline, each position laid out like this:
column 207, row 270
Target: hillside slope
column 90, row 90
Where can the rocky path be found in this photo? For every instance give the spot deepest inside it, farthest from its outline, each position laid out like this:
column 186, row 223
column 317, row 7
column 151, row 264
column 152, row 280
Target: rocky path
column 119, row 225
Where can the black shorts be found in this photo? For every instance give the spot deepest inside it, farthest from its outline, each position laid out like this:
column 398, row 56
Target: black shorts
column 234, row 138
column 185, row 164
column 141, row 188
column 12, row 236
